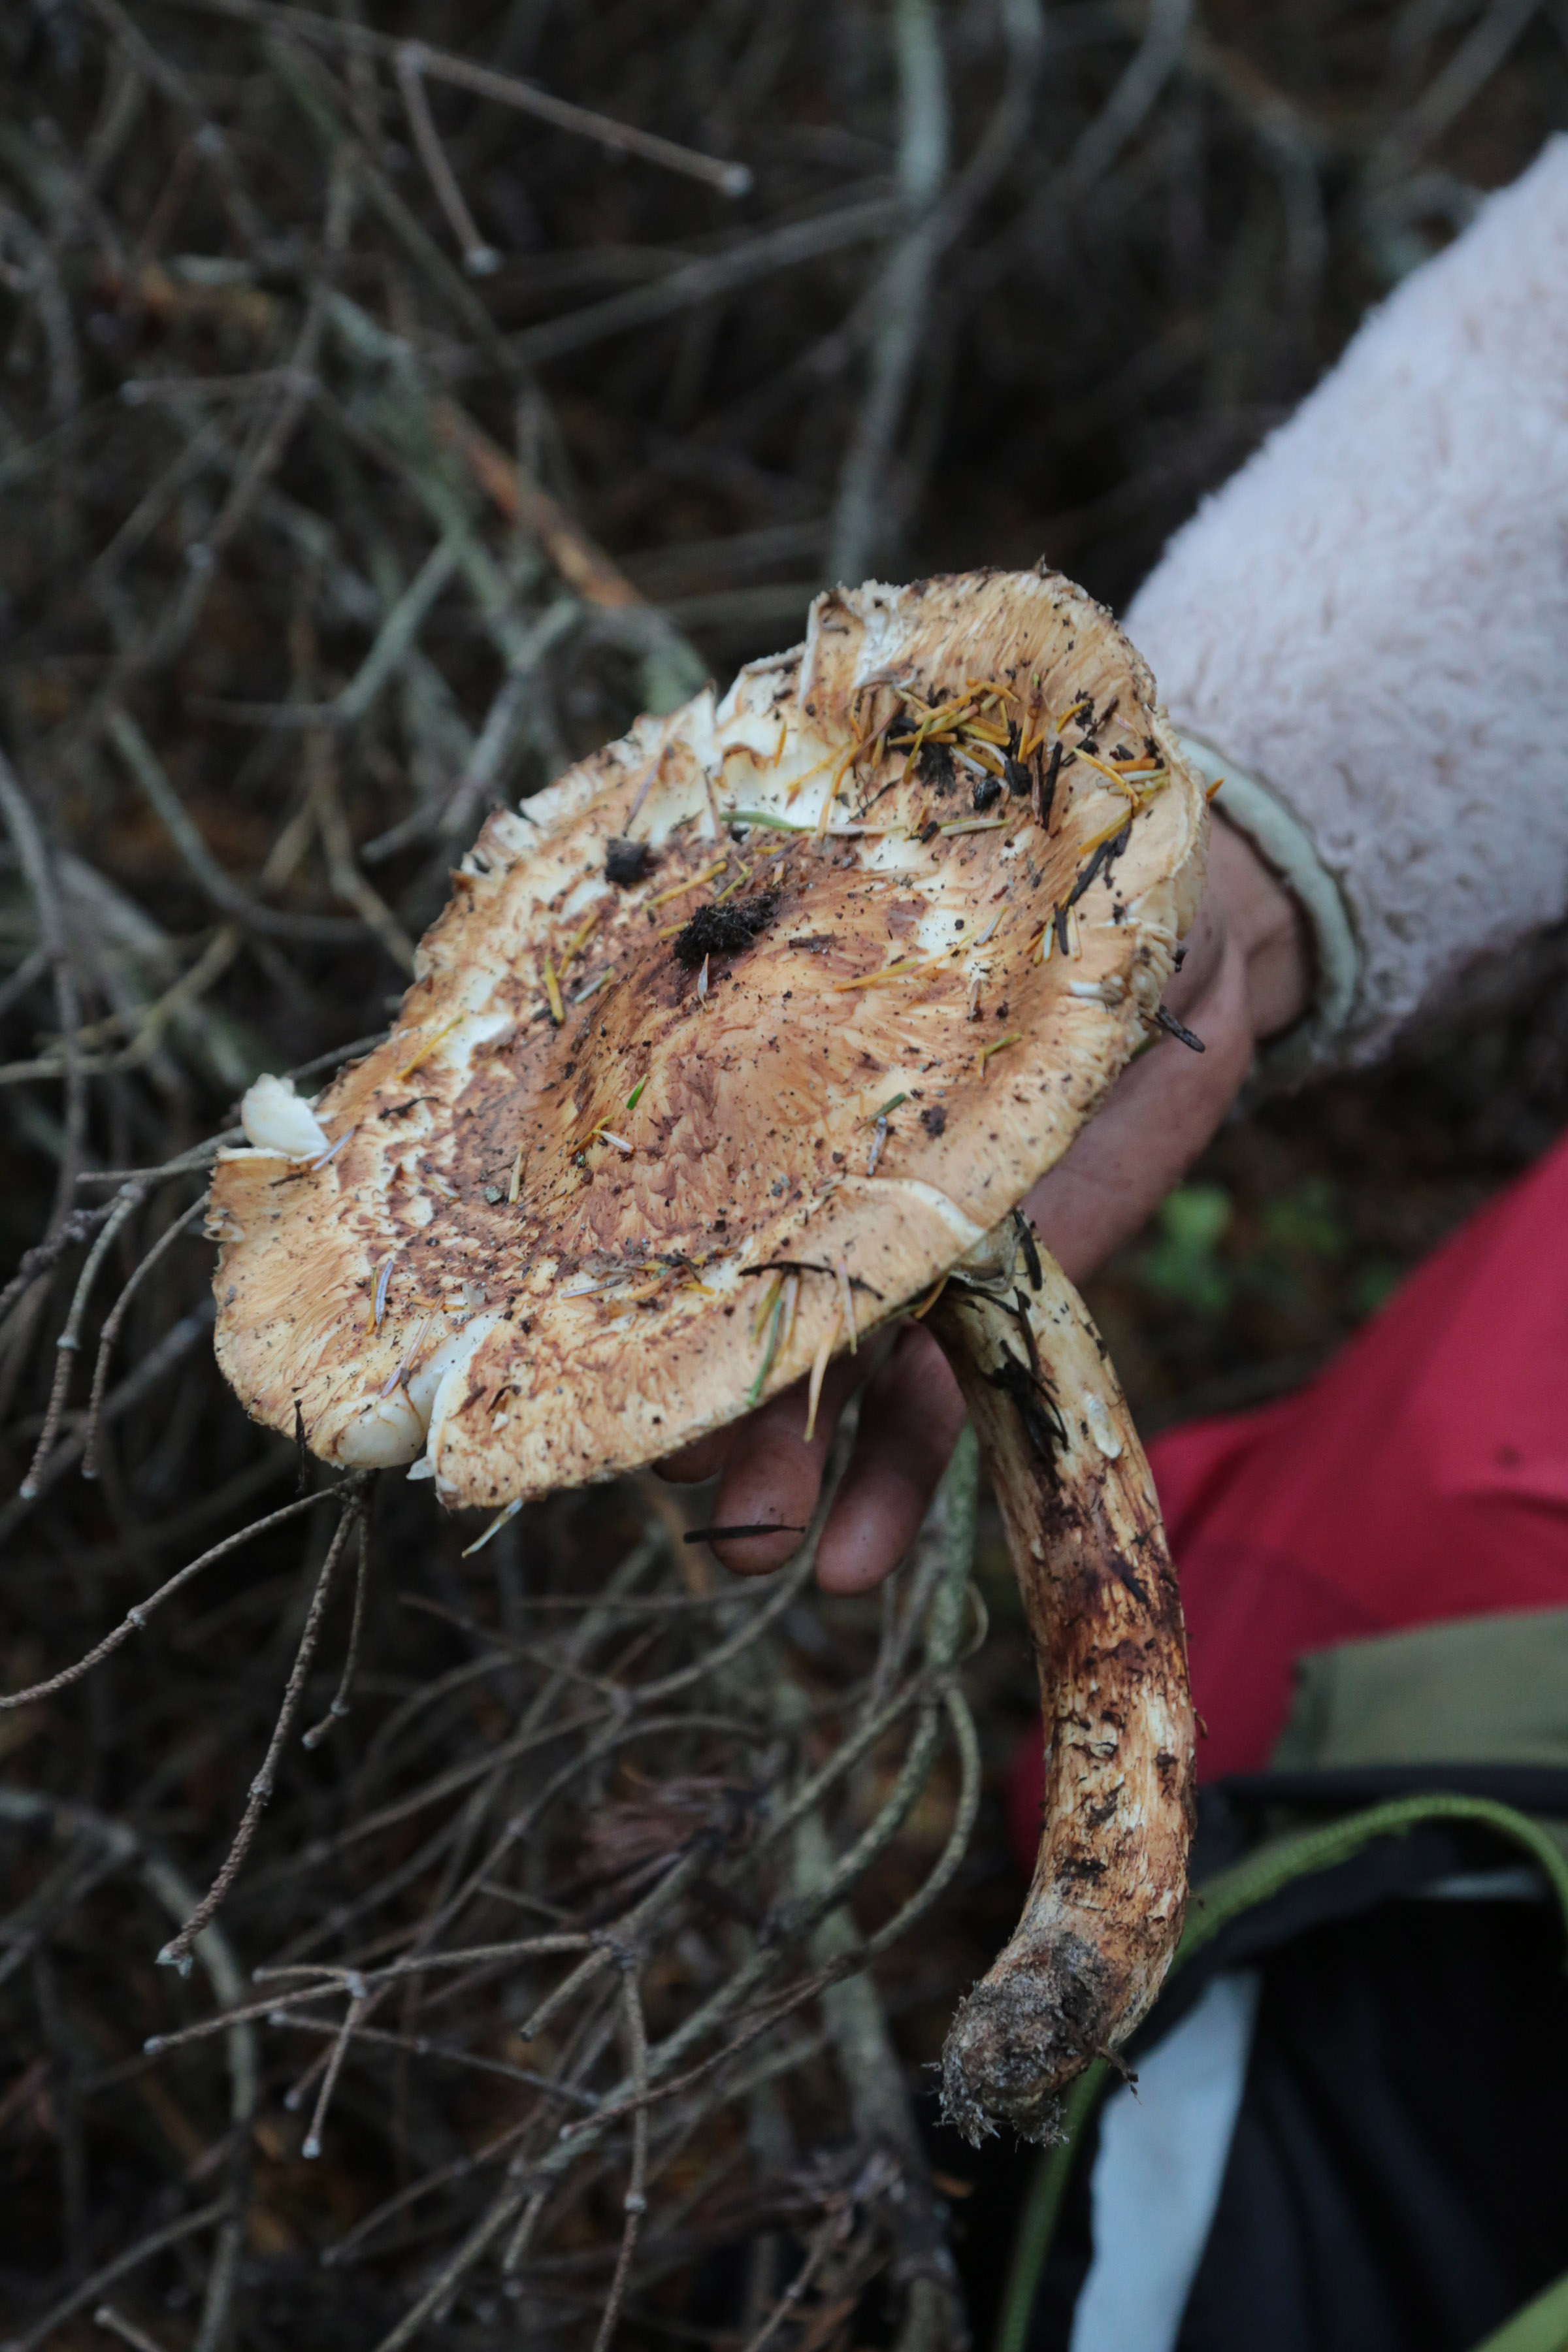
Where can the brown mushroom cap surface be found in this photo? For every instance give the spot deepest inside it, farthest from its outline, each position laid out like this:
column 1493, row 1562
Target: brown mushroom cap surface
column 618, row 1171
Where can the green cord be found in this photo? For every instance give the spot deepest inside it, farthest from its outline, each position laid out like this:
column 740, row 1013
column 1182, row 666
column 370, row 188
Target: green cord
column 1252, row 1882
column 1038, row 2225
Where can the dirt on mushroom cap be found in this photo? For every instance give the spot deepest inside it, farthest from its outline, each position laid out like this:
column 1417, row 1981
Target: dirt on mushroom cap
column 567, row 1195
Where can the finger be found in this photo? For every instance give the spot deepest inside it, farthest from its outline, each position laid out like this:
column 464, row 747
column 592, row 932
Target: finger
column 772, row 1477
column 703, row 1458
column 1156, row 1121
column 909, row 1419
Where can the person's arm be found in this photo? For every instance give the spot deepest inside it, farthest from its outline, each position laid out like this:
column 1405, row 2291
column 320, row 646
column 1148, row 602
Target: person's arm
column 1369, row 622
column 1366, row 627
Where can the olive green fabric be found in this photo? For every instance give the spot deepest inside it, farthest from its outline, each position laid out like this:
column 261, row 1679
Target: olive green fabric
column 1540, row 2326
column 1480, row 1690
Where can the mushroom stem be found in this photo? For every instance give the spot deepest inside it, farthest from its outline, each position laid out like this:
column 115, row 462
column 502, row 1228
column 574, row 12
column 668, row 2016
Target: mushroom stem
column 1105, row 1907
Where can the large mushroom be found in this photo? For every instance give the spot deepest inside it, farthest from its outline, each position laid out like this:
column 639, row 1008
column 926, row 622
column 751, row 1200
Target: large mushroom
column 749, row 1034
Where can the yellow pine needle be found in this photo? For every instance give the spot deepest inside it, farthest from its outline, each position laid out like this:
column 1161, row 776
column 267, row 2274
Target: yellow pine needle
column 789, row 1302
column 918, row 1313
column 949, row 714
column 846, row 763
column 409, row 1354
column 1211, row 790
column 579, row 939
column 1000, row 1046
column 695, row 883
column 899, row 970
column 506, row 1511
column 905, row 968
column 994, row 686
column 1117, row 775
column 515, row 1186
column 816, row 769
column 633, row 1297
column 933, row 721
column 1107, row 833
column 769, row 1294
column 819, row 1364
column 975, row 824
column 428, row 1048
column 552, row 991
column 847, row 1294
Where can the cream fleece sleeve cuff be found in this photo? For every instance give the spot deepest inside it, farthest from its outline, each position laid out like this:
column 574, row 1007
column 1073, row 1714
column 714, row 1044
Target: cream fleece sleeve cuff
column 1371, row 622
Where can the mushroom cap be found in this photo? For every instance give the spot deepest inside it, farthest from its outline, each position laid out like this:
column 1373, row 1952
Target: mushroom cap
column 634, row 1144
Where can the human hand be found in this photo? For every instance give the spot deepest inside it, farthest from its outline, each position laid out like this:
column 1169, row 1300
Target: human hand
column 1244, row 977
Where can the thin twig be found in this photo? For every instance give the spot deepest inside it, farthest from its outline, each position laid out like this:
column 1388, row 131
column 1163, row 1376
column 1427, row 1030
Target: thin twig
column 339, row 1708
column 130, row 2259
column 136, row 1618
column 411, row 63
column 177, row 1953
column 38, row 871
column 701, row 281
column 115, row 1318
column 144, row 765
column 69, row 1344
column 115, row 2322
column 731, row 178
column 155, row 1365
column 858, row 514
column 635, row 2198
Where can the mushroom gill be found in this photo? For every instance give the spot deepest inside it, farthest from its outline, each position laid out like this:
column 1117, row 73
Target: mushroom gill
column 743, row 1036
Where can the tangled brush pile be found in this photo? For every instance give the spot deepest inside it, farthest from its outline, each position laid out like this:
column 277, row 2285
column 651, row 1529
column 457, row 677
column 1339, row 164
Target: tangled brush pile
column 335, row 361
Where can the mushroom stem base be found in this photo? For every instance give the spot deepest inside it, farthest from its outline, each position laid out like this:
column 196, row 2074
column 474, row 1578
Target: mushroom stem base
column 1106, row 1904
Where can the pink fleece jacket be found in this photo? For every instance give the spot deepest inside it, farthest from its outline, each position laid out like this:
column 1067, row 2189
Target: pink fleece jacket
column 1371, row 621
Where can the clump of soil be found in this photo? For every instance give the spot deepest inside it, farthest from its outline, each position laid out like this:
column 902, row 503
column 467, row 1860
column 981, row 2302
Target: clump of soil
column 725, row 930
